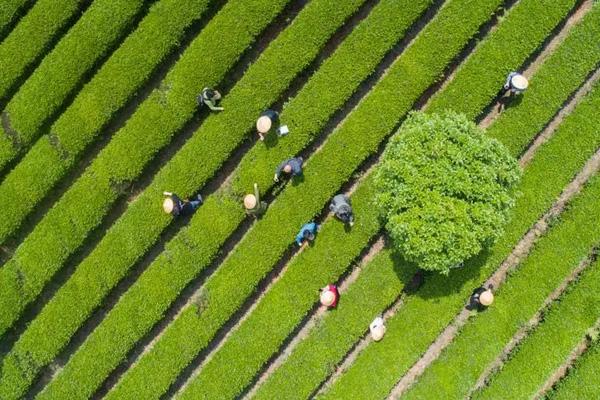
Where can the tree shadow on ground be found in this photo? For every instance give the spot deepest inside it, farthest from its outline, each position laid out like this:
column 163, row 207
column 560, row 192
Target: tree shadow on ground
column 432, row 285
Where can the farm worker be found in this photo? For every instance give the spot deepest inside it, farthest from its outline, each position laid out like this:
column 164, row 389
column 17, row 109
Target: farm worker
column 377, row 329
column 210, row 98
column 307, row 233
column 175, row 206
column 252, row 203
column 481, row 298
column 265, row 122
column 341, row 207
column 515, row 83
column 291, row 166
column 329, row 296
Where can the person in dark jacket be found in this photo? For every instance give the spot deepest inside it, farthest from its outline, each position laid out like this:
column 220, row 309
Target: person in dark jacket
column 210, row 97
column 342, row 208
column 481, row 298
column 291, row 167
column 173, row 205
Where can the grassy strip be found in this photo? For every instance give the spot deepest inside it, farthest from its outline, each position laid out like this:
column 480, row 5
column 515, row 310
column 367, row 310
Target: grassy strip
column 286, row 382
column 91, row 38
column 576, row 58
column 582, row 380
column 563, row 327
column 292, row 298
column 441, row 298
column 554, row 256
column 141, row 224
column 286, row 375
column 478, row 81
column 375, row 289
column 83, row 206
column 8, row 11
column 31, row 37
column 111, row 88
column 270, row 237
column 315, row 357
column 308, row 34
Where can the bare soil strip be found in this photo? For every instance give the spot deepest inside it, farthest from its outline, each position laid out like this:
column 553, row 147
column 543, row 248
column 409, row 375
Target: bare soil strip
column 520, row 251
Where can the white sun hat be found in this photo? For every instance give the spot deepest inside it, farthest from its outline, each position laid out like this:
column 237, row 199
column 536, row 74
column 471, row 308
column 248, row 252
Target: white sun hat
column 250, row 201
column 378, row 332
column 168, row 205
column 486, row 298
column 327, row 297
column 263, row 124
column 519, row 82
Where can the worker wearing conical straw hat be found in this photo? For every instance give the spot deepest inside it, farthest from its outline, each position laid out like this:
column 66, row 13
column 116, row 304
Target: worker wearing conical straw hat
column 377, row 329
column 481, row 298
column 173, row 205
column 252, row 203
column 515, row 83
column 265, row 122
column 329, row 296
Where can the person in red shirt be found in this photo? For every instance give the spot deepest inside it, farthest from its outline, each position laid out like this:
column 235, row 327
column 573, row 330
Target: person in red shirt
column 329, row 296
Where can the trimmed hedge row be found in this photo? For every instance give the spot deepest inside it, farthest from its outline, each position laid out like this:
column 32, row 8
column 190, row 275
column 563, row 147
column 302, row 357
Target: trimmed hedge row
column 560, row 251
column 563, row 73
column 286, row 376
column 292, row 298
column 8, row 11
column 306, row 36
column 92, row 37
column 555, row 164
column 31, row 37
column 111, row 88
column 547, row 348
column 477, row 82
column 286, row 382
column 582, row 380
column 120, row 248
column 264, row 244
column 83, row 206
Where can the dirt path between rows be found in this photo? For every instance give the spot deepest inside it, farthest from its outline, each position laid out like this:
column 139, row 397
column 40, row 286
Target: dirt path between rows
column 513, row 260
column 547, row 51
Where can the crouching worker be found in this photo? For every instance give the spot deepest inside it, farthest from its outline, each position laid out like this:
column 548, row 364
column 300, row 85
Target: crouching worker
column 252, row 203
column 175, row 206
column 306, row 234
column 210, row 98
column 290, row 167
column 341, row 207
column 377, row 329
column 481, row 298
column 329, row 296
column 515, row 84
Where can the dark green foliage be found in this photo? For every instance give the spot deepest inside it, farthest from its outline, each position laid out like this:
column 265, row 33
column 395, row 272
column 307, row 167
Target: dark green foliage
column 445, row 189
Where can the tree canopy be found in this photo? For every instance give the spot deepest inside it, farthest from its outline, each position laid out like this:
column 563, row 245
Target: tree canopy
column 445, row 189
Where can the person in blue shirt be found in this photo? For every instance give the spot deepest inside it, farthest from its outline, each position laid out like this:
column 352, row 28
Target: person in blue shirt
column 291, row 166
column 307, row 233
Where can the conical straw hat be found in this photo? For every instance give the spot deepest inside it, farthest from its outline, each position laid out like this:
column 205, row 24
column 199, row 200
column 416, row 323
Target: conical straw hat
column 486, row 298
column 327, row 298
column 249, row 201
column 168, row 205
column 519, row 82
column 378, row 332
column 263, row 124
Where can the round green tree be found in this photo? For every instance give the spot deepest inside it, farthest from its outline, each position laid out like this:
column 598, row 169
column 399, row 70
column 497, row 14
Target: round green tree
column 445, row 189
